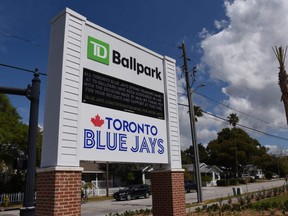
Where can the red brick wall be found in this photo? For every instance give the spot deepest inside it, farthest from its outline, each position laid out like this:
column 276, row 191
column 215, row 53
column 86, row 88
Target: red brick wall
column 58, row 193
column 168, row 196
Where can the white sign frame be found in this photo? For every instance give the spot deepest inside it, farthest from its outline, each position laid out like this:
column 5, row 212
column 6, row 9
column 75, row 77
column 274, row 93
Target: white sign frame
column 67, row 116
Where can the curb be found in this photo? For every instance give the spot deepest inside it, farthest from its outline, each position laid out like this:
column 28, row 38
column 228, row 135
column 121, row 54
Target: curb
column 9, row 209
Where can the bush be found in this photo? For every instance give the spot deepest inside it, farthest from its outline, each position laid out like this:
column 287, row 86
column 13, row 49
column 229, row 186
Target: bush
column 221, row 182
column 233, row 181
column 15, row 184
column 242, row 181
column 268, row 175
column 206, row 178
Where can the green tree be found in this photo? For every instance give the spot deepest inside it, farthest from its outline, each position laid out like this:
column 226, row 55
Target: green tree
column 249, row 150
column 188, row 155
column 233, row 119
column 127, row 172
column 198, row 112
column 280, row 54
column 276, row 163
column 13, row 133
column 13, row 143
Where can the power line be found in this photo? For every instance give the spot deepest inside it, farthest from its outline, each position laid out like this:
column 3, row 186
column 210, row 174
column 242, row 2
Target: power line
column 240, row 125
column 239, row 111
column 22, row 69
column 269, row 123
column 252, row 129
column 229, row 107
column 22, row 38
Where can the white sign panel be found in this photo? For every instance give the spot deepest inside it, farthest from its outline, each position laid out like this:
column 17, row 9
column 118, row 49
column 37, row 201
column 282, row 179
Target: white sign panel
column 108, row 98
column 123, row 104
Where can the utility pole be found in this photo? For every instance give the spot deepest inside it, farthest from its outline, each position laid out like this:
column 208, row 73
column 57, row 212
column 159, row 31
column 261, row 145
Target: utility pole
column 193, row 129
column 107, row 179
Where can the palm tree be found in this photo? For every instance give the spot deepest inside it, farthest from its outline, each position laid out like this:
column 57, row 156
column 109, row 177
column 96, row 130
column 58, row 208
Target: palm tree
column 233, row 120
column 282, row 77
column 198, row 112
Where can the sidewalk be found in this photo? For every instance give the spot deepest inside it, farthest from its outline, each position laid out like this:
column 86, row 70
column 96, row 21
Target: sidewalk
column 9, row 211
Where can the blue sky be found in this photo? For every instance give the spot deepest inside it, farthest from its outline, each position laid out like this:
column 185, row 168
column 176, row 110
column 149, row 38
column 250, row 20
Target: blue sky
column 230, row 42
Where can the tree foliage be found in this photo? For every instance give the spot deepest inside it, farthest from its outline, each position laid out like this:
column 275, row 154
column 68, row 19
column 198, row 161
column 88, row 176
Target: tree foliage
column 188, row 155
column 198, row 112
column 129, row 173
column 13, row 133
column 280, row 54
column 13, row 140
column 222, row 150
column 233, row 119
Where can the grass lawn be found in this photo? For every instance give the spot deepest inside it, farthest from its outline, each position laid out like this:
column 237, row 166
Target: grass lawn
column 276, row 199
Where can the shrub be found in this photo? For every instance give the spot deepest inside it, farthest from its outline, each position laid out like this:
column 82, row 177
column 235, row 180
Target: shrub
column 233, row 181
column 285, row 206
column 221, row 182
column 268, row 175
column 242, row 181
column 206, row 178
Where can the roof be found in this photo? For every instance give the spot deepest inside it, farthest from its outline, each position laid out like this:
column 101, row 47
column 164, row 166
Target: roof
column 90, row 167
column 204, row 168
column 210, row 169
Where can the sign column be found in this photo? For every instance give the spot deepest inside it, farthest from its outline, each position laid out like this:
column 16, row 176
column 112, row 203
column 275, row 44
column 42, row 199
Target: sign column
column 59, row 178
column 168, row 180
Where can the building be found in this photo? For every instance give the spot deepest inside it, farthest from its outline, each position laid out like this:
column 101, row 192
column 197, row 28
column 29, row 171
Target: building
column 207, row 172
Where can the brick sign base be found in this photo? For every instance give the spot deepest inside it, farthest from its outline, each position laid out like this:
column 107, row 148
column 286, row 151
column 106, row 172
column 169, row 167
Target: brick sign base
column 168, row 193
column 59, row 191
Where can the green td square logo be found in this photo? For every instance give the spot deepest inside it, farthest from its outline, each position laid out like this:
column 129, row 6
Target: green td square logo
column 98, row 50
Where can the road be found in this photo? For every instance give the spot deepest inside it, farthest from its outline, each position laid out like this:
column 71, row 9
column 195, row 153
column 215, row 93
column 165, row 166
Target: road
column 102, row 208
column 218, row 192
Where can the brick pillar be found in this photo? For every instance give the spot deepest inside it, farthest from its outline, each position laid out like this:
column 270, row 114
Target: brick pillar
column 58, row 191
column 168, row 196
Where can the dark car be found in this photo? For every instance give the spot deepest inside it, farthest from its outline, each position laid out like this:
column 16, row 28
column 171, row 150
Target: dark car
column 189, row 186
column 132, row 192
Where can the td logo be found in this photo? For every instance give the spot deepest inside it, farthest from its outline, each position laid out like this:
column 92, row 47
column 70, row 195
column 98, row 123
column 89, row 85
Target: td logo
column 98, row 50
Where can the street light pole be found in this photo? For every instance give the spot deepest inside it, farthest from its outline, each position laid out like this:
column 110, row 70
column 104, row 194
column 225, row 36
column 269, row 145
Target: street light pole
column 33, row 94
column 193, row 129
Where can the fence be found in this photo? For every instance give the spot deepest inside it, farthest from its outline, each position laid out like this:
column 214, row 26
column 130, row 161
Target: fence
column 99, row 188
column 18, row 197
column 101, row 184
column 13, row 197
column 100, row 191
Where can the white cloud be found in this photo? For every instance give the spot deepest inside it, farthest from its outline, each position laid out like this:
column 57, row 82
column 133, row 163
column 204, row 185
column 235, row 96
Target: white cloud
column 277, row 150
column 219, row 24
column 204, row 33
column 241, row 56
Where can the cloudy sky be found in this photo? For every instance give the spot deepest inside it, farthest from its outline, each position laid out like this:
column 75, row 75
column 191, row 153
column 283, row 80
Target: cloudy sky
column 238, row 55
column 230, row 42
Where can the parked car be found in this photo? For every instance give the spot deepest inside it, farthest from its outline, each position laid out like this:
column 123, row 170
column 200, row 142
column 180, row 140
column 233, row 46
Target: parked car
column 189, row 186
column 132, row 192
column 275, row 176
column 247, row 176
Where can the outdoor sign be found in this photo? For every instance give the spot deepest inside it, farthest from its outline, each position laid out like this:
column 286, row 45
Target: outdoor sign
column 123, row 99
column 114, row 102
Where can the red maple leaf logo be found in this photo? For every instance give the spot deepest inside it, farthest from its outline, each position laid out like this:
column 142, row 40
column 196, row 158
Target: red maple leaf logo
column 97, row 121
